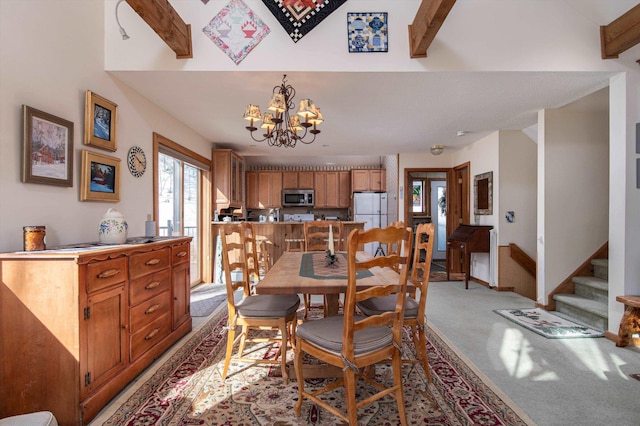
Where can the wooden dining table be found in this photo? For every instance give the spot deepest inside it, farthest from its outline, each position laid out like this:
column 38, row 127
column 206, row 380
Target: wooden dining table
column 310, row 273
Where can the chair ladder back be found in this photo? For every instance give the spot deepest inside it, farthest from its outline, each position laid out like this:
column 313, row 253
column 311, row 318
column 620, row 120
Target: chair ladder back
column 422, row 256
column 393, row 318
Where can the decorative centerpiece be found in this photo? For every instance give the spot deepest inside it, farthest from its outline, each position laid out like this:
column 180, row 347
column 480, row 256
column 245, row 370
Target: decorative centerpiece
column 113, row 228
column 332, row 259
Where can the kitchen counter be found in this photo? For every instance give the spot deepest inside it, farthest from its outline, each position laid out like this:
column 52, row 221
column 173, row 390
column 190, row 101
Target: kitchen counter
column 274, row 233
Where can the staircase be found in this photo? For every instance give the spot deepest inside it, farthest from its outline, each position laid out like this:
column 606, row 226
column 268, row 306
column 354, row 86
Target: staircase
column 588, row 303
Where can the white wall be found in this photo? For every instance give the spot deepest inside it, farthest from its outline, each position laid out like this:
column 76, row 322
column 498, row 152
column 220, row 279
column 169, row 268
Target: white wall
column 464, row 43
column 51, row 53
column 574, row 150
column 624, row 201
column 483, row 156
column 518, row 191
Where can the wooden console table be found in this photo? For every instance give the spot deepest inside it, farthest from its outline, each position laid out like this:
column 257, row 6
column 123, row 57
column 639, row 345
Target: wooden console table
column 469, row 239
column 630, row 322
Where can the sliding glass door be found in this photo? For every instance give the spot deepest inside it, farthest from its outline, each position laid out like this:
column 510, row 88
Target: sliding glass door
column 181, row 202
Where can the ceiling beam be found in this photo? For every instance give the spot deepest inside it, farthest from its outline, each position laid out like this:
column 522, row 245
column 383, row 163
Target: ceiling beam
column 621, row 34
column 166, row 22
column 429, row 18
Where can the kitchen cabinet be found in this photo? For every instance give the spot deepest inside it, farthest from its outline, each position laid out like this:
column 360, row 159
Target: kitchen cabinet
column 79, row 324
column 364, row 180
column 297, row 180
column 264, row 190
column 332, row 189
column 228, row 182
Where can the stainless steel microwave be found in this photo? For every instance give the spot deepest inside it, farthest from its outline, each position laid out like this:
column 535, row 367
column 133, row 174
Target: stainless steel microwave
column 297, row 197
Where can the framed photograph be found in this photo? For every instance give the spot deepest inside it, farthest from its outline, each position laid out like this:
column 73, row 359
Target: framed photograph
column 367, row 32
column 100, row 121
column 100, row 177
column 47, row 148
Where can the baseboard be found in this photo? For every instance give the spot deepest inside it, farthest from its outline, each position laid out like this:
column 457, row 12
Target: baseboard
column 612, row 336
column 498, row 288
column 479, row 281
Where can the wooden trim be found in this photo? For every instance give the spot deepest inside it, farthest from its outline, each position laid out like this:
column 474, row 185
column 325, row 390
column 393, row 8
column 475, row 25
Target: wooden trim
column 428, row 20
column 612, row 336
column 621, row 34
column 479, row 281
column 166, row 22
column 523, row 259
column 585, row 269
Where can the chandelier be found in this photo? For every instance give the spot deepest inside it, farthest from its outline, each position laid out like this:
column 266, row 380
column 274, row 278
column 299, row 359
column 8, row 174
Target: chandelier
column 281, row 127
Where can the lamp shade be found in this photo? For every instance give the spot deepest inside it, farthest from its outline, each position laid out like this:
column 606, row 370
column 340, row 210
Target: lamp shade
column 317, row 119
column 267, row 121
column 252, row 112
column 294, row 124
column 277, row 103
column 307, row 109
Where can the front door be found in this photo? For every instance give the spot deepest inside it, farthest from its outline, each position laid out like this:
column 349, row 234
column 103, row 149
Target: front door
column 439, row 217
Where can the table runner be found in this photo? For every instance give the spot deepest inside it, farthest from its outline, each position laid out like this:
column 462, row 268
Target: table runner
column 315, row 265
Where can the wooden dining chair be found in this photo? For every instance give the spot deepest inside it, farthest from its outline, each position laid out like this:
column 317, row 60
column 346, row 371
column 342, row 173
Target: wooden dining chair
column 355, row 343
column 394, row 248
column 253, row 312
column 316, row 238
column 415, row 305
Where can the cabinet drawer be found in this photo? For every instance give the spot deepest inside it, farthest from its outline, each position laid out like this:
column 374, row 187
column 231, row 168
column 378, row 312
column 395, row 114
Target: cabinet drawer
column 104, row 274
column 146, row 263
column 180, row 254
column 144, row 339
column 148, row 311
column 148, row 286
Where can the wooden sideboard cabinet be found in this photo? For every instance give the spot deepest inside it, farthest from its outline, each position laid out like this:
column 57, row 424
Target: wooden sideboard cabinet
column 78, row 324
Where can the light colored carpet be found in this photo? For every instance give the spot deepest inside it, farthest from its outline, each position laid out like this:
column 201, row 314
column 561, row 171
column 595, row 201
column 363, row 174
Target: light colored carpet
column 556, row 381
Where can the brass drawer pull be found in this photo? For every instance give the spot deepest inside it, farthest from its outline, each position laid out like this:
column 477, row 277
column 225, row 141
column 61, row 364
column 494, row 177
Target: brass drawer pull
column 181, row 254
column 152, row 285
column 152, row 309
column 108, row 273
column 153, row 333
column 152, row 262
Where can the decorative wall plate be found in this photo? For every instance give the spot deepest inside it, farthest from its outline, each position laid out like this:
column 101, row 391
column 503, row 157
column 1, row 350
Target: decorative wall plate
column 137, row 161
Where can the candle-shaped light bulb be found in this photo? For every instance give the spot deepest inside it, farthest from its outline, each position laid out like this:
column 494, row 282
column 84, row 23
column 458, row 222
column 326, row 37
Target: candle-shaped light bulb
column 331, row 249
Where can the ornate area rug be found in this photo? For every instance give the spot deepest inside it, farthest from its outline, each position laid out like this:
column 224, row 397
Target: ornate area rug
column 547, row 324
column 186, row 389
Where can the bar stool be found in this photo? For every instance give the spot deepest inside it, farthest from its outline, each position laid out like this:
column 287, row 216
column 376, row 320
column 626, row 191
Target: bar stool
column 299, row 244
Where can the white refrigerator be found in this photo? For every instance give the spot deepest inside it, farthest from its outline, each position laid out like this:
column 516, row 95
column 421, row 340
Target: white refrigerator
column 371, row 208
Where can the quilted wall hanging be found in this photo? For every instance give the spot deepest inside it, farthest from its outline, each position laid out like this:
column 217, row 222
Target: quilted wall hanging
column 367, row 32
column 236, row 30
column 298, row 17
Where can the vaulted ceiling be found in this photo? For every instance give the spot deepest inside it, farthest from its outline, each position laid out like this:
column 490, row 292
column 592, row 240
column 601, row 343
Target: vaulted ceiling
column 372, row 113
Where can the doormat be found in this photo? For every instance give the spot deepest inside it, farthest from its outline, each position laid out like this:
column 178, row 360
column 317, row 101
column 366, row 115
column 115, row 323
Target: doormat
column 547, row 324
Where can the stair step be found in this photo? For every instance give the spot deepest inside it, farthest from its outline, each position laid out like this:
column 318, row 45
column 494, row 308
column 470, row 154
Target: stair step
column 585, row 310
column 592, row 287
column 600, row 268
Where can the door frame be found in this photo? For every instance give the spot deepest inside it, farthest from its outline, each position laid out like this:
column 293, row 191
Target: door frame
column 458, row 200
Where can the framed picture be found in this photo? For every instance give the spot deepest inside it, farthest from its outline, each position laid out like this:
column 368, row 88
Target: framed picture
column 367, row 32
column 47, row 148
column 100, row 121
column 483, row 194
column 100, row 177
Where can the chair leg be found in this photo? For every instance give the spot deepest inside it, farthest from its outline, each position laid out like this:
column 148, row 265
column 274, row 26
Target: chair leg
column 231, row 335
column 421, row 348
column 350, row 392
column 243, row 340
column 297, row 362
column 307, row 305
column 397, row 381
column 283, row 350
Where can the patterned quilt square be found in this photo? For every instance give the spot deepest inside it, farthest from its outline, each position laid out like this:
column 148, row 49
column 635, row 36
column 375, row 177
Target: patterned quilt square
column 298, row 17
column 236, row 30
column 368, row 32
